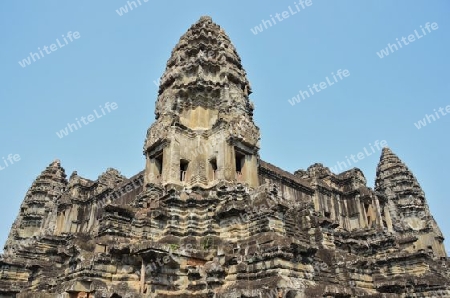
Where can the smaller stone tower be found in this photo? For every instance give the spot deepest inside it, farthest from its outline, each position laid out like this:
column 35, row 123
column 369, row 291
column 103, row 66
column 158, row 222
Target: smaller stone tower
column 37, row 215
column 408, row 208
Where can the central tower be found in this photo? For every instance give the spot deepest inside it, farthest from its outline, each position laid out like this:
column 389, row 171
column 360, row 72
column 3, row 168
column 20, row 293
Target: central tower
column 204, row 130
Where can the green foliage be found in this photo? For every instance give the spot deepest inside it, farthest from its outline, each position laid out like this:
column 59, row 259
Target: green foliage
column 174, row 246
column 207, row 242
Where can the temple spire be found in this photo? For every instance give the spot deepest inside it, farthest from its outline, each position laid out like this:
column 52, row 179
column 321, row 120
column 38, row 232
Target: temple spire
column 204, row 70
column 52, row 181
column 392, row 174
column 407, row 205
column 38, row 211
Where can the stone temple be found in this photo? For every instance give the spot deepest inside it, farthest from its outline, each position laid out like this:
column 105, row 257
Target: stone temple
column 208, row 218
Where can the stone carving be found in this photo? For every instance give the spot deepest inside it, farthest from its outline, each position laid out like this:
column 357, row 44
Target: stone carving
column 244, row 129
column 270, row 234
column 157, row 132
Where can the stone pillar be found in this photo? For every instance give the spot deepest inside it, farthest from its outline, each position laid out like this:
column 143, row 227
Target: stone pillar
column 229, row 162
column 338, row 210
column 379, row 219
column 172, row 162
column 142, row 281
column 332, row 211
column 316, row 199
column 251, row 171
column 152, row 174
column 167, row 162
column 60, row 223
column 148, row 170
column 361, row 218
column 364, row 215
column 347, row 224
column 387, row 215
column 198, row 164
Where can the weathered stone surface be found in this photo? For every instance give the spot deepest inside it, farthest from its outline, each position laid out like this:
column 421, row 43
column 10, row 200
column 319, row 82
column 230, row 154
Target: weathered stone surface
column 410, row 214
column 208, row 218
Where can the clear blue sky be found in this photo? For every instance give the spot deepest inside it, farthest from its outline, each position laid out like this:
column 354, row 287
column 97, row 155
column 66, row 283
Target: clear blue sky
column 117, row 58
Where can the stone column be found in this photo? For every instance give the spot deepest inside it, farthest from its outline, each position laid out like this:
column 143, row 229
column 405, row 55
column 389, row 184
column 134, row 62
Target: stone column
column 229, row 162
column 172, row 162
column 142, row 281
column 152, row 174
column 198, row 176
column 379, row 219
column 165, row 175
column 316, row 198
column 387, row 214
column 347, row 224
column 338, row 210
column 361, row 218
column 251, row 170
column 332, row 210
